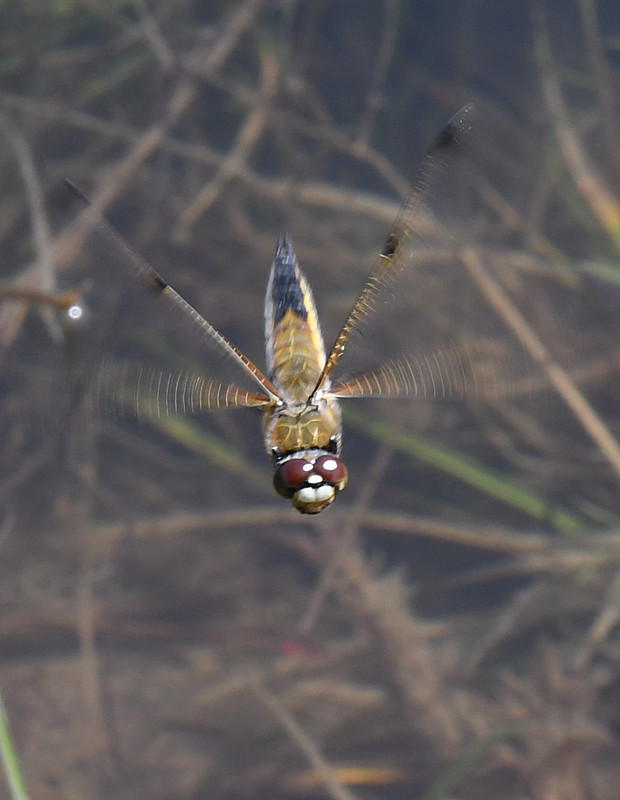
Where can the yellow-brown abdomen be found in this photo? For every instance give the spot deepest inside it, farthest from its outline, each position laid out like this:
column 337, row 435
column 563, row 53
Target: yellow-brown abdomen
column 297, row 361
column 294, row 345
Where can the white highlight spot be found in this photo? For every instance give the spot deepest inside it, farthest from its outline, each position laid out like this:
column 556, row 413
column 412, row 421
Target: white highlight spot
column 329, row 464
column 315, row 479
column 75, row 312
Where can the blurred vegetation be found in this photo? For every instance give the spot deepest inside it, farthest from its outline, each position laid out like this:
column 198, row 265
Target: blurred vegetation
column 169, row 627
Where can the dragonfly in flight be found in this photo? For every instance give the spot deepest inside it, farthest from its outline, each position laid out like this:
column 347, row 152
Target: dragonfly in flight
column 301, row 388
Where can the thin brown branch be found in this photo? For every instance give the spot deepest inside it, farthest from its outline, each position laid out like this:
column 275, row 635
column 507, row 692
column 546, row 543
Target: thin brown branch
column 246, row 140
column 603, row 80
column 154, row 35
column 385, row 54
column 181, row 99
column 337, row 540
column 403, row 644
column 107, row 536
column 533, row 345
column 313, row 193
column 43, row 277
column 303, row 741
column 600, row 200
column 58, row 301
column 68, row 244
column 321, row 133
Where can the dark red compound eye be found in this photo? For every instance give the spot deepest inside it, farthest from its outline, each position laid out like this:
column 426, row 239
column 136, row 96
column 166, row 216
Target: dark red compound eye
column 290, row 475
column 331, row 469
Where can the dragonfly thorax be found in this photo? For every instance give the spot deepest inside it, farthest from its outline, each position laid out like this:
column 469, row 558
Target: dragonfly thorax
column 295, row 427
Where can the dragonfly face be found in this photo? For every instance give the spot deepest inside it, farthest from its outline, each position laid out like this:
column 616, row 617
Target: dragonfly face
column 299, row 394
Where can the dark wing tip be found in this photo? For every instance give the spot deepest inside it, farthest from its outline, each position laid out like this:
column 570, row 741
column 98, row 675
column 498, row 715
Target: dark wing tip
column 459, row 125
column 464, row 117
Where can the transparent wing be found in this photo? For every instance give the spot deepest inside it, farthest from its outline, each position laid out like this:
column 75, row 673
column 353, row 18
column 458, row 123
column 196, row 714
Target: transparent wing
column 142, row 350
column 412, row 226
column 421, row 325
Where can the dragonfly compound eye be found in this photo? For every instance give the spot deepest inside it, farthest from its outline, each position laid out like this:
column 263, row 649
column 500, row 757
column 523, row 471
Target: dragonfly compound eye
column 290, row 475
column 332, row 470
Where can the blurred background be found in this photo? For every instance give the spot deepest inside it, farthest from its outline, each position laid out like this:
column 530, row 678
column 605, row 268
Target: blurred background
column 450, row 627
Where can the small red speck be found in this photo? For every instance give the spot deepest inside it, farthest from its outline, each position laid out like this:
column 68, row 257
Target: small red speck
column 294, row 649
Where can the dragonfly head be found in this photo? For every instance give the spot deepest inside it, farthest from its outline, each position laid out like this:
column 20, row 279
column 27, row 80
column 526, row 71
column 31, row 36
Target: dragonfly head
column 311, row 479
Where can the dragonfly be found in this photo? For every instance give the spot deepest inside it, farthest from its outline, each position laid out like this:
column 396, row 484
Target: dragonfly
column 303, row 384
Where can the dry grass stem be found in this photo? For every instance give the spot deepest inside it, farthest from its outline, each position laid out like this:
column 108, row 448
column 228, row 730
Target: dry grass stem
column 602, row 203
column 559, row 378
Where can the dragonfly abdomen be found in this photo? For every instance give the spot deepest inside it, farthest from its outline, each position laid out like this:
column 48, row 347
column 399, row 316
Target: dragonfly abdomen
column 296, row 363
column 294, row 345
